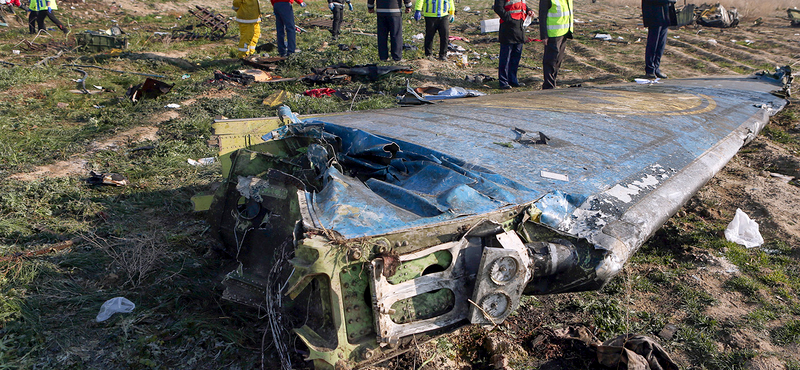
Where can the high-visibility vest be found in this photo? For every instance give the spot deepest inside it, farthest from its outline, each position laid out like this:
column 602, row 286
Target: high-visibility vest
column 559, row 18
column 37, row 5
column 435, row 8
column 516, row 8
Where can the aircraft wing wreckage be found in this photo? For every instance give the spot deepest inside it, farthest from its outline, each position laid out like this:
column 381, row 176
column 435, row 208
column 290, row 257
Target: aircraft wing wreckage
column 361, row 233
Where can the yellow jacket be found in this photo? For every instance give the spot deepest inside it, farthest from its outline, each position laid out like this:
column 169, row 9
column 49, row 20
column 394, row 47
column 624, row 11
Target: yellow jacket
column 247, row 11
column 37, row 5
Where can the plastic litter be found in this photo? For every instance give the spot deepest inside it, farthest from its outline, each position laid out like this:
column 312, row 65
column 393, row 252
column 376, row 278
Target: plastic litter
column 114, row 305
column 603, row 36
column 742, row 230
column 645, row 81
column 172, row 105
column 201, row 161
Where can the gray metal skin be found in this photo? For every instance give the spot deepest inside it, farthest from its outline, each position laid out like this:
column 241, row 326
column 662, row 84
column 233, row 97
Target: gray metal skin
column 665, row 139
column 620, row 160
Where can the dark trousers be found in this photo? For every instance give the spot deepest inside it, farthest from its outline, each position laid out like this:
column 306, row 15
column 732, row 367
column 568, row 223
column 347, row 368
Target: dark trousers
column 390, row 29
column 554, row 51
column 656, row 40
column 36, row 18
column 510, row 54
column 433, row 25
column 285, row 31
column 338, row 15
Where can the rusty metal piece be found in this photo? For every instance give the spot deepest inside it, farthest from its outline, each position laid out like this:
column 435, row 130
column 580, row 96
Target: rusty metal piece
column 213, row 26
column 151, row 88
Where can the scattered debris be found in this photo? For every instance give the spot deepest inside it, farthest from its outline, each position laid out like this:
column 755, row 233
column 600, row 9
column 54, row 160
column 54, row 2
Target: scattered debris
column 742, row 230
column 479, row 78
column 635, row 351
column 265, row 63
column 783, row 76
column 318, row 93
column 524, row 138
column 343, row 73
column 172, row 106
column 717, row 16
column 275, row 99
column 50, row 249
column 259, row 75
column 106, row 179
column 234, row 76
column 114, row 305
column 214, row 26
column 645, row 81
column 114, row 70
column 202, row 161
column 554, row 176
column 668, row 332
column 794, row 17
column 149, row 89
column 97, row 41
column 490, row 25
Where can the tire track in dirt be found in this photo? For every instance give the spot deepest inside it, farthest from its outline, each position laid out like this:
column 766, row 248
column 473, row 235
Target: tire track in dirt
column 709, row 56
column 689, row 60
column 741, row 56
column 743, row 52
column 597, row 60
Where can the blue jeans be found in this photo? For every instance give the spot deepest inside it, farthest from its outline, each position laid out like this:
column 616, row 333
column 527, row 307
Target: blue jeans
column 510, row 55
column 284, row 22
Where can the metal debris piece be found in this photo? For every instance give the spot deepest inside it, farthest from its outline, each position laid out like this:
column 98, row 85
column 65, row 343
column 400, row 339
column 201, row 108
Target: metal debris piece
column 717, row 16
column 267, row 64
column 212, row 26
column 96, row 41
column 370, row 231
column 82, row 81
column 114, row 179
column 524, row 138
column 149, row 89
column 794, row 16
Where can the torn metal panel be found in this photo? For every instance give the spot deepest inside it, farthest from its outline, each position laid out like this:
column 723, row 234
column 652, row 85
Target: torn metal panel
column 402, row 223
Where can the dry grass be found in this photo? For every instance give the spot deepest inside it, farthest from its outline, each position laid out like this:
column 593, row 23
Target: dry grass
column 136, row 257
column 748, row 9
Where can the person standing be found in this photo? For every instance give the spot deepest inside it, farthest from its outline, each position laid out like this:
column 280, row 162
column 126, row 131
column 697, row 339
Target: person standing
column 512, row 37
column 657, row 16
column 284, row 22
column 337, row 7
column 438, row 16
column 554, row 32
column 39, row 9
column 390, row 26
column 248, row 16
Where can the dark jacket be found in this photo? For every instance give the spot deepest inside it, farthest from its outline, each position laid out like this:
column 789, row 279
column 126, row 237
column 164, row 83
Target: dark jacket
column 388, row 7
column 659, row 13
column 511, row 30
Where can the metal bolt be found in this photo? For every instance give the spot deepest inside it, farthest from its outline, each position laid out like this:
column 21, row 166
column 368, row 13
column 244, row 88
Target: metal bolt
column 354, row 254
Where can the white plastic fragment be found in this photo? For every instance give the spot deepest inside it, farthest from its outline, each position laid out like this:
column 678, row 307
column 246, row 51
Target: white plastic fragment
column 466, row 8
column 712, row 42
column 603, row 36
column 172, row 105
column 645, row 81
column 554, row 176
column 114, row 305
column 742, row 230
column 201, row 161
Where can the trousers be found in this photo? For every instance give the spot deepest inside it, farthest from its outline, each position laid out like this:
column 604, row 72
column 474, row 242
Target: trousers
column 249, row 33
column 390, row 30
column 510, row 54
column 284, row 22
column 338, row 15
column 656, row 41
column 554, row 51
column 36, row 18
column 433, row 25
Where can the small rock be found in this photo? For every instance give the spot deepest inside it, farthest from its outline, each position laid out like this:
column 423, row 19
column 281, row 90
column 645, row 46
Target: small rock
column 668, row 332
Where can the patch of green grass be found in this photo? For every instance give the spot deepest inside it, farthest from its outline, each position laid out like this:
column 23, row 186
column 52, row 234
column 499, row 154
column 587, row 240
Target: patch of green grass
column 787, row 333
column 744, row 285
column 778, row 136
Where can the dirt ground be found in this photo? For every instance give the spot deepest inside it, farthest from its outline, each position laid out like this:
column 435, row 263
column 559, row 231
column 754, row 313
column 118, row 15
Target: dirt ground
column 760, row 180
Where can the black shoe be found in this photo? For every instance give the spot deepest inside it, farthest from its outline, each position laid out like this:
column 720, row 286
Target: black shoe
column 660, row 75
column 519, row 84
column 650, row 76
column 505, row 87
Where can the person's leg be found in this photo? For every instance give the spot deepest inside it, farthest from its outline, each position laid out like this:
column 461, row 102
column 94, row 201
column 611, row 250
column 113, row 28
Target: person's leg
column 650, row 50
column 338, row 16
column 383, row 37
column 562, row 52
column 245, row 35
column 550, row 61
column 32, row 22
column 658, row 52
column 444, row 35
column 251, row 46
column 396, row 37
column 279, row 29
column 291, row 32
column 430, row 31
column 502, row 68
column 55, row 21
column 40, row 16
column 515, row 54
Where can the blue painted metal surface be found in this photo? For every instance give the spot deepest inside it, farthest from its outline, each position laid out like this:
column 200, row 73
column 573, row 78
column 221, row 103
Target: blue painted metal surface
column 610, row 148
